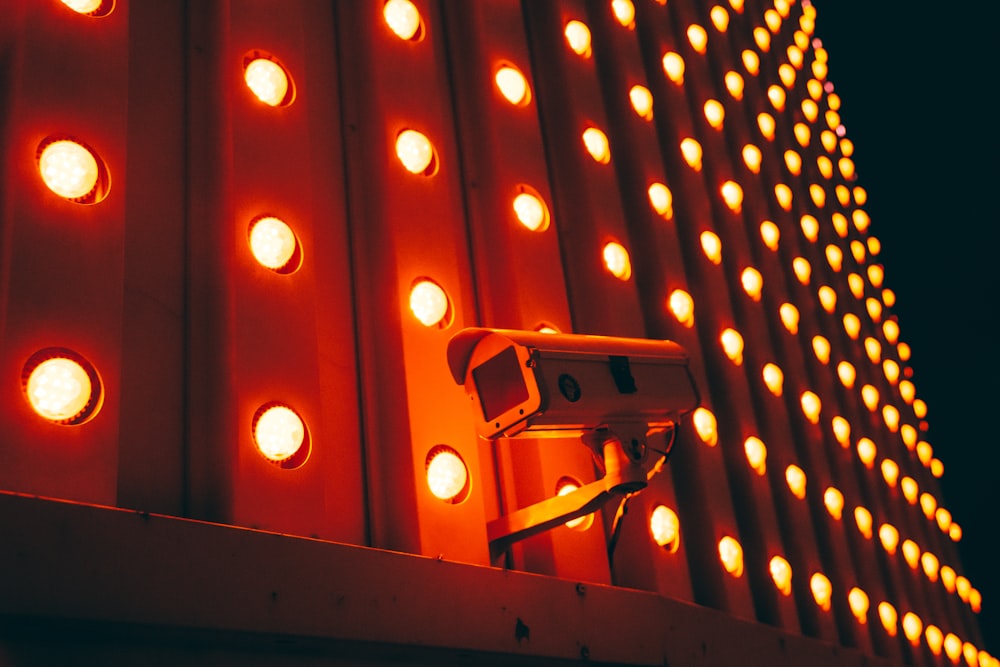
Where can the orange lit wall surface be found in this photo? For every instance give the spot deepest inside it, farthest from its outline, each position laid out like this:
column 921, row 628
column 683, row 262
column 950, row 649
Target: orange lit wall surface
column 188, row 327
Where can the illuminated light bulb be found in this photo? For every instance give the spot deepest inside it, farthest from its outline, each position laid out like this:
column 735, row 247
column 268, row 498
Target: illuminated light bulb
column 810, row 110
column 698, row 38
column 732, row 345
column 801, row 40
column 795, row 477
column 846, row 145
column 863, row 518
column 833, row 101
column 834, row 501
column 83, row 6
column 834, row 257
column 268, row 81
column 825, row 166
column 913, row 628
column 711, row 246
column 782, row 7
column 734, row 84
column 661, row 199
column 903, row 351
column 802, row 269
column 860, row 196
column 512, row 85
column 715, row 113
column 70, row 170
column 857, row 599
column 691, row 150
column 802, row 134
column 766, row 123
column 873, row 349
column 273, row 243
column 928, row 504
column 737, row 6
column 843, row 195
column 817, row 194
column 910, row 489
column 720, row 18
column 929, row 564
column 596, row 143
column 773, row 378
column 889, row 617
column 429, row 303
column 846, row 373
column 907, row 391
column 852, row 325
column 624, row 11
column 888, row 297
column 753, row 282
column 937, row 467
column 919, row 408
column 794, row 162
column 874, row 308
column 776, row 94
column 789, row 317
column 773, row 20
column 751, row 61
column 752, row 158
column 815, row 90
column 566, row 486
column 402, row 18
column 911, row 554
column 642, row 102
column 891, row 371
column 890, row 415
column 955, row 532
column 578, row 38
column 795, row 56
column 909, row 435
column 770, row 235
column 953, row 647
column 890, row 472
column 822, row 590
column 616, row 260
column 682, row 306
column 870, row 396
column 447, row 474
column 278, row 433
column 706, row 427
column 732, row 194
column 62, row 389
column 975, row 600
column 756, row 453
column 840, row 224
column 925, row 452
column 948, row 578
column 416, row 153
column 888, row 535
column 783, row 195
column 781, row 574
column 829, row 140
column 935, row 639
column 867, row 452
column 819, row 70
column 531, row 212
column 827, row 298
column 665, row 527
column 970, row 653
column 832, row 119
column 787, row 75
column 842, row 431
column 811, row 406
column 821, row 348
column 731, row 555
column 861, row 220
column 673, row 67
column 846, row 167
column 890, row 329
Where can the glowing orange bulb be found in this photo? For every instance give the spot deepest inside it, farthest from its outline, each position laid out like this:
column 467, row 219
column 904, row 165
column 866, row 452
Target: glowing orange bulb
column 903, row 350
column 734, row 84
column 852, row 325
column 860, row 197
column 802, row 269
column 846, row 145
column 762, row 38
column 811, row 406
column 861, row 220
column 810, row 110
column 827, row 298
column 943, row 518
column 665, row 527
column 795, row 477
column 935, row 639
column 819, row 69
column 766, row 124
column 642, row 101
column 712, row 247
column 829, row 140
column 737, row 5
column 818, row 195
column 888, row 297
column 834, row 257
column 890, row 328
column 731, row 555
column 874, row 309
column 787, row 75
column 891, row 370
column 773, row 378
column 890, row 415
column 531, row 211
column 890, row 472
column 839, row 224
column 970, row 653
column 789, row 317
column 919, row 408
column 948, row 575
column 512, row 85
column 781, row 574
column 863, row 518
column 698, row 38
column 429, row 303
column 661, row 199
column 928, row 504
column 732, row 344
column 752, row 158
column 953, row 647
column 925, row 452
column 68, row 169
column 706, row 427
column 870, row 396
column 810, row 227
column 751, row 61
column 822, row 590
column 732, row 194
column 691, row 150
column 825, row 166
column 910, row 489
column 889, row 617
column 403, row 19
column 720, row 18
column 909, row 435
column 278, row 433
column 268, row 81
column 773, row 20
column 673, row 67
column 815, row 90
column 616, row 260
column 783, row 194
column 846, row 167
column 795, row 56
column 929, row 563
column 802, row 134
column 794, row 162
column 842, row 431
column 889, row 536
column 911, row 553
column 578, row 38
column 624, row 11
column 682, row 306
column 873, row 349
column 867, row 452
column 770, row 235
column 937, row 468
column 416, row 152
column 821, row 348
column 843, row 195
column 834, row 501
column 752, row 282
column 846, row 373
column 776, row 94
column 907, row 391
column 83, row 6
column 61, row 389
column 715, row 113
column 857, row 599
column 955, row 532
column 913, row 627
column 596, row 143
column 756, row 453
column 975, row 600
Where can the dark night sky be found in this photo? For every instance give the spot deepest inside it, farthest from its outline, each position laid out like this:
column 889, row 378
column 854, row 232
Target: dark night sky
column 917, row 82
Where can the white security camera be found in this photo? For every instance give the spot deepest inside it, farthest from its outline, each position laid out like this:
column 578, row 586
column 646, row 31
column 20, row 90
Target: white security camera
column 612, row 392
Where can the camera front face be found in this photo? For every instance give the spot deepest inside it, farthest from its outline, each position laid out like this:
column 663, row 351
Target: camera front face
column 502, row 381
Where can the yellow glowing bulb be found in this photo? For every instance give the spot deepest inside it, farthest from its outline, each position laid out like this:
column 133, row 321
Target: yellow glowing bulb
column 890, row 328
column 415, row 152
column 402, row 18
column 279, row 433
column 888, row 297
column 811, row 406
column 68, row 169
column 773, row 19
column 565, row 487
column 578, row 38
column 937, row 467
column 715, row 113
column 624, row 12
column 827, row 298
column 928, row 504
column 863, row 518
column 910, row 489
column 860, row 196
column 829, row 140
column 970, row 653
column 781, row 574
column 846, row 167
column 890, row 472
column 842, row 431
column 795, row 477
column 60, row 389
column 819, row 69
column 531, row 212
column 770, row 235
column 272, row 243
column 789, row 317
column 720, row 18
column 801, row 40
column 815, row 90
column 802, row 134
column 268, row 81
column 964, row 587
column 908, row 392
column 756, row 453
column 661, row 199
column 948, row 575
column 762, row 38
column 867, row 452
column 810, row 110
column 711, row 245
column 909, row 435
column 642, row 101
column 810, row 227
column 889, row 617
column 953, row 647
column 919, row 408
column 706, row 427
column 873, row 349
column 682, row 306
column 821, row 348
column 929, row 563
column 596, row 143
column 773, row 378
column 776, row 94
column 834, row 501
column 955, row 532
column 665, row 528
column 752, row 158
column 783, row 194
column 691, row 150
column 802, row 269
column 891, row 370
column 83, row 6
column 822, row 590
column 673, row 67
column 732, row 194
column 846, row 145
column 617, row 261
column 794, row 162
column 870, row 396
column 825, row 167
column 888, row 535
column 766, row 124
column 925, row 452
column 734, row 84
column 861, row 220
column 846, row 373
column 787, row 75
column 447, row 476
column 843, row 195
column 737, row 6
column 512, row 85
column 732, row 344
column 839, row 223
column 874, row 309
column 817, row 194
column 751, row 61
column 731, row 555
column 834, row 257
column 429, row 303
column 698, row 38
column 913, row 627
column 935, row 639
column 976, row 600
column 911, row 553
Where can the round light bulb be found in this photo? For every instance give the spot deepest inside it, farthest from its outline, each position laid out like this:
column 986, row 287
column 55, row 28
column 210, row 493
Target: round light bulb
column 59, row 389
column 531, row 212
column 403, row 18
column 447, row 476
column 267, row 80
column 665, row 528
column 278, row 433
column 272, row 242
column 578, row 37
column 512, row 85
column 68, row 169
column 429, row 303
column 642, row 101
column 617, row 261
column 415, row 152
column 596, row 143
